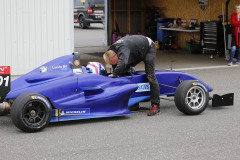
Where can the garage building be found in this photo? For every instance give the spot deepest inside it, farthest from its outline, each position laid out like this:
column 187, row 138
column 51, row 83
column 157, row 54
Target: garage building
column 33, row 32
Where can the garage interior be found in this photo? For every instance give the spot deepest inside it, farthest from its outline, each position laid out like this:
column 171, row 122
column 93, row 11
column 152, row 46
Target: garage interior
column 131, row 16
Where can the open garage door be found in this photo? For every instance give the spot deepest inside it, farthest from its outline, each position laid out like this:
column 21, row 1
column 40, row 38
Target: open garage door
column 90, row 23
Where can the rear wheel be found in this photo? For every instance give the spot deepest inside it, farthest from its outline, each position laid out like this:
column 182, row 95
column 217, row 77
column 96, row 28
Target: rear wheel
column 191, row 97
column 82, row 23
column 31, row 112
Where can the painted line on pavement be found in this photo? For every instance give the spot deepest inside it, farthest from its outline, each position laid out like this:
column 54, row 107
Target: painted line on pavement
column 202, row 68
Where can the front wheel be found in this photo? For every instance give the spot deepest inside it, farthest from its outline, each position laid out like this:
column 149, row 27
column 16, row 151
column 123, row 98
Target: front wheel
column 82, row 23
column 191, row 97
column 31, row 112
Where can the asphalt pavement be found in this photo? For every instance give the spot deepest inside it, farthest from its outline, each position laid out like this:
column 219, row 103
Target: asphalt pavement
column 92, row 36
column 214, row 134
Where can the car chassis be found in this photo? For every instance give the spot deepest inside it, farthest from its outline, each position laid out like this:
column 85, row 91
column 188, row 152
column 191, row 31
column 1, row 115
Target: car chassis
column 58, row 91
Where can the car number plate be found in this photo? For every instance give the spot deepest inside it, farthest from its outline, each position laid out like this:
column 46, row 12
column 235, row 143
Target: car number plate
column 5, row 79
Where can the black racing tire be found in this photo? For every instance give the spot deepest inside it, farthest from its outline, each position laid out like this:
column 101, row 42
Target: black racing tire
column 31, row 112
column 82, row 23
column 191, row 97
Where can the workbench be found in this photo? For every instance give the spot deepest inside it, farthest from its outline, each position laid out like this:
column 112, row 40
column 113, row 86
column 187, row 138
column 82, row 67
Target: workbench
column 191, row 31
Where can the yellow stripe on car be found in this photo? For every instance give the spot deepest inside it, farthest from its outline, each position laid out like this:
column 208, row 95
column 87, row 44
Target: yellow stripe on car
column 56, row 113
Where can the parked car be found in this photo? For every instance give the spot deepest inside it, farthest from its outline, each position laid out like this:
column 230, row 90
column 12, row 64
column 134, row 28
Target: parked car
column 88, row 11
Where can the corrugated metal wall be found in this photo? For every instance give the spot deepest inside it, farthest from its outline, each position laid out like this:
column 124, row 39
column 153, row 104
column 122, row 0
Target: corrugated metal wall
column 33, row 32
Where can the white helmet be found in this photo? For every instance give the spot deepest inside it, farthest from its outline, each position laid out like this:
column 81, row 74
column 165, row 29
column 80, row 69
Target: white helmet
column 95, row 68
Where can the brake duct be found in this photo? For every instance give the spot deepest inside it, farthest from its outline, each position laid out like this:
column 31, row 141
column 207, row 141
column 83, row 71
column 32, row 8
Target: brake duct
column 4, row 108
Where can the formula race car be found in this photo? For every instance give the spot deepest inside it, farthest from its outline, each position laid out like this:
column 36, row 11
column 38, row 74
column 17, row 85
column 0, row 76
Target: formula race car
column 63, row 91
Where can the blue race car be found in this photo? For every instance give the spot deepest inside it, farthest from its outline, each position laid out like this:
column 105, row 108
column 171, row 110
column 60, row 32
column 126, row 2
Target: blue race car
column 58, row 91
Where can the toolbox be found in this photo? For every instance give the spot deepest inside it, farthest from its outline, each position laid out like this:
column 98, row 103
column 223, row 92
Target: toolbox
column 212, row 37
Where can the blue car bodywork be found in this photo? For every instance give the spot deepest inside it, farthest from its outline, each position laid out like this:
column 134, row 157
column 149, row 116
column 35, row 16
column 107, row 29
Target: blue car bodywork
column 82, row 95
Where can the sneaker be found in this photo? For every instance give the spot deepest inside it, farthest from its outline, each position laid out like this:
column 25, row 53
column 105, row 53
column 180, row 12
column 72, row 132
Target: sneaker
column 238, row 62
column 230, row 64
column 154, row 111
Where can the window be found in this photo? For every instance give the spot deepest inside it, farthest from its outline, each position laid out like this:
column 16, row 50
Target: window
column 79, row 3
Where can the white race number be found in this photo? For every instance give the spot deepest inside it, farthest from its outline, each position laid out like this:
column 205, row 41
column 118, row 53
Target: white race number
column 2, row 80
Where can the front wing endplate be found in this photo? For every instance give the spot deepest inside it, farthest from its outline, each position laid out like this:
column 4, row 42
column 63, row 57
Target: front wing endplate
column 224, row 100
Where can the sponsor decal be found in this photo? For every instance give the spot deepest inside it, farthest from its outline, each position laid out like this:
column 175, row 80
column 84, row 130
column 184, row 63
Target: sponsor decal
column 5, row 81
column 44, row 69
column 201, row 85
column 76, row 62
column 4, row 69
column 143, row 87
column 63, row 67
column 74, row 112
column 42, row 99
column 43, row 124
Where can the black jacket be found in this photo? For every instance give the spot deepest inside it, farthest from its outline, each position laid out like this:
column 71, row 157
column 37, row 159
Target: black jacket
column 130, row 50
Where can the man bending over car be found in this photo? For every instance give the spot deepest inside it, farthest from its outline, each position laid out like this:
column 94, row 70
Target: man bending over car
column 128, row 52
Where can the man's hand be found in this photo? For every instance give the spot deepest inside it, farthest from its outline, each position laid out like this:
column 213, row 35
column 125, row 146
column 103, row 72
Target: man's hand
column 112, row 76
column 70, row 63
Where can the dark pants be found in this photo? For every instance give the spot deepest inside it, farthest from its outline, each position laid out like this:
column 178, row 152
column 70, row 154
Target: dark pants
column 149, row 62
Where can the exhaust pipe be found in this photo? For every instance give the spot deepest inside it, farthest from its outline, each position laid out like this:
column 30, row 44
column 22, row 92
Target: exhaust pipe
column 4, row 108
